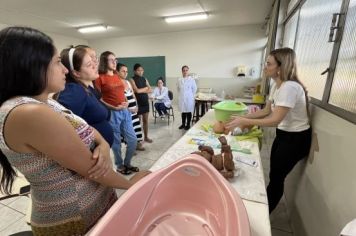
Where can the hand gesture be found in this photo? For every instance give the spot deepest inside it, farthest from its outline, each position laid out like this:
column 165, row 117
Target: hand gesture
column 235, row 121
column 103, row 161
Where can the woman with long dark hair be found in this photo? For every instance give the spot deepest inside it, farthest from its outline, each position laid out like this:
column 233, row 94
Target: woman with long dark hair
column 47, row 143
column 287, row 109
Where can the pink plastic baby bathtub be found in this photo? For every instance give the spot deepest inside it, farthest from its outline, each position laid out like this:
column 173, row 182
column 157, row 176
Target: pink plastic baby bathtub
column 189, row 197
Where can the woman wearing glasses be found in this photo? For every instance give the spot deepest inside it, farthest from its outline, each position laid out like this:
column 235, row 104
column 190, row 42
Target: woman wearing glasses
column 113, row 96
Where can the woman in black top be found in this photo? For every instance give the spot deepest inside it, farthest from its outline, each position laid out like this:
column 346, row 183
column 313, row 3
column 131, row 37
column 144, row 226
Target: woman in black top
column 142, row 88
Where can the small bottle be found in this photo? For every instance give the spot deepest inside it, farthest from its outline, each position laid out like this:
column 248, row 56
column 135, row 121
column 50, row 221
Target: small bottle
column 223, row 95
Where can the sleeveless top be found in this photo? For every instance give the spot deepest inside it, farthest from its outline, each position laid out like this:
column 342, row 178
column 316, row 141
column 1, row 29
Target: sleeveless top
column 63, row 202
column 142, row 98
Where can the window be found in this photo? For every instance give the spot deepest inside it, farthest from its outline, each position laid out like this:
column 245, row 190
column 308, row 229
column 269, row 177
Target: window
column 307, row 29
column 343, row 89
column 290, row 31
column 292, row 4
column 312, row 47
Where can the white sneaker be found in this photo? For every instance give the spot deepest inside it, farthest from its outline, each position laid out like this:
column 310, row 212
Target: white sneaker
column 162, row 117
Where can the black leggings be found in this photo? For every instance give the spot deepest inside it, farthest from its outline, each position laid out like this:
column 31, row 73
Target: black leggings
column 186, row 116
column 288, row 148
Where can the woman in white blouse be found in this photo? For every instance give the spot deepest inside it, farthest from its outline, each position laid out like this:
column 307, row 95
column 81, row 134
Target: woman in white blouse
column 187, row 88
column 161, row 98
column 286, row 109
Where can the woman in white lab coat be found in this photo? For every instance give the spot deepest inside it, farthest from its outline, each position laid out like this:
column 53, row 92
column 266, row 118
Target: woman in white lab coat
column 161, row 98
column 187, row 88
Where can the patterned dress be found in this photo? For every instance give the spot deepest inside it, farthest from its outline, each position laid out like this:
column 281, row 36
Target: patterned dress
column 63, row 202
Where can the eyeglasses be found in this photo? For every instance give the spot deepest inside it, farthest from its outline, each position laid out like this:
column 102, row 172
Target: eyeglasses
column 94, row 58
column 91, row 63
column 112, row 60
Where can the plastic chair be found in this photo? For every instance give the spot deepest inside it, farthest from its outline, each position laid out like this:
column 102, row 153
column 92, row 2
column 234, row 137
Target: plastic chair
column 169, row 110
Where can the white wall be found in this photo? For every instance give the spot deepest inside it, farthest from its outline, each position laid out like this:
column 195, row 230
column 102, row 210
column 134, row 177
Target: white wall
column 2, row 26
column 212, row 54
column 321, row 195
column 62, row 42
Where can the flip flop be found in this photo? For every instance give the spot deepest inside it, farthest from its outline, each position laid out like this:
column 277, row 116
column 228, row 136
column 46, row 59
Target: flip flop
column 132, row 168
column 148, row 140
column 124, row 170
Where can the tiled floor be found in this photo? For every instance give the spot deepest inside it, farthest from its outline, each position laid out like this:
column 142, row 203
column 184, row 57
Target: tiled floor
column 13, row 211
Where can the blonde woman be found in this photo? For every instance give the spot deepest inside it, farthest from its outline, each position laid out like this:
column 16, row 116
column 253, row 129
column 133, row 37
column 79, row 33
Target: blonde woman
column 286, row 109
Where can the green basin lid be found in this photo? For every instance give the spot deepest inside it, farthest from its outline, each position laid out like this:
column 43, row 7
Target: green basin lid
column 229, row 105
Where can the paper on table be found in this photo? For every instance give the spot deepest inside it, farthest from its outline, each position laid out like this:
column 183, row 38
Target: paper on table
column 246, row 160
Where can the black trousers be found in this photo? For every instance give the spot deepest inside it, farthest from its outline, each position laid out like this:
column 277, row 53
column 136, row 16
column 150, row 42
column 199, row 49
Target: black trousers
column 288, row 148
column 161, row 108
column 186, row 116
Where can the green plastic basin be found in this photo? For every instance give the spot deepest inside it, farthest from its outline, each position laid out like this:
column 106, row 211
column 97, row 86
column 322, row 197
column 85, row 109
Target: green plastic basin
column 226, row 108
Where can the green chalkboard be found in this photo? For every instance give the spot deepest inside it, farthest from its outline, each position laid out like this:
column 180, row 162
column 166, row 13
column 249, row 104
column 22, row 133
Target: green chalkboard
column 154, row 67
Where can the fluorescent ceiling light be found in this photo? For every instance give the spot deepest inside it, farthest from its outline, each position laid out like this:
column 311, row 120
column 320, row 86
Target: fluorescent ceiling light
column 188, row 17
column 92, row 28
